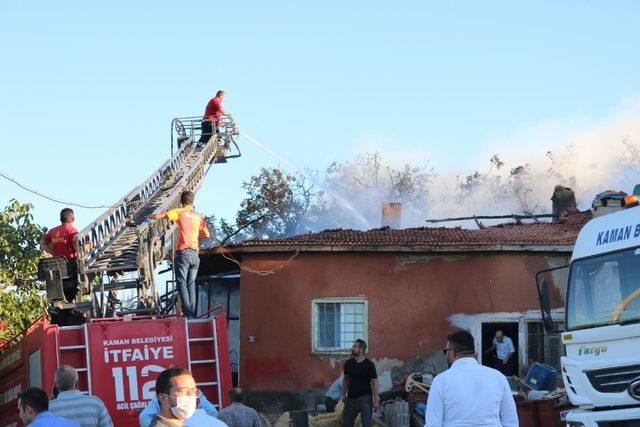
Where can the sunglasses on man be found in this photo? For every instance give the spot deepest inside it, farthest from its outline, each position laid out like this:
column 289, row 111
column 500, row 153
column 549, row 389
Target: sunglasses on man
column 447, row 349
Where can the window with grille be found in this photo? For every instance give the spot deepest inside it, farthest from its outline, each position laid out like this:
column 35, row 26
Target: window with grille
column 543, row 347
column 337, row 323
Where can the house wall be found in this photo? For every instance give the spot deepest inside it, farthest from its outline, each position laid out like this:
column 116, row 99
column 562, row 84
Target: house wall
column 414, row 301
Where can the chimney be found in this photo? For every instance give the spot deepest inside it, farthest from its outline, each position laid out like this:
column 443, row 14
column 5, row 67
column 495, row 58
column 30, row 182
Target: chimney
column 564, row 202
column 607, row 202
column 392, row 215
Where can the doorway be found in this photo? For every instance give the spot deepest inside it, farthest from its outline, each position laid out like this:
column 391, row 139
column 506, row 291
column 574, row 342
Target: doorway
column 509, row 329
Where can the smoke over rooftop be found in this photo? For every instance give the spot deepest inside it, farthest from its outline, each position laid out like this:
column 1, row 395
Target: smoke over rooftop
column 521, row 180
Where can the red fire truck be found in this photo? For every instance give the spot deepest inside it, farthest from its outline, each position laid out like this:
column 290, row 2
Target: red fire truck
column 119, row 348
column 117, row 360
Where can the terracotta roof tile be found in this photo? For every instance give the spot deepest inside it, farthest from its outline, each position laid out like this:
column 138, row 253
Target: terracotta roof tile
column 560, row 233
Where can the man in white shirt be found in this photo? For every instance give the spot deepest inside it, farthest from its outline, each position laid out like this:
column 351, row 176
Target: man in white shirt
column 469, row 394
column 504, row 352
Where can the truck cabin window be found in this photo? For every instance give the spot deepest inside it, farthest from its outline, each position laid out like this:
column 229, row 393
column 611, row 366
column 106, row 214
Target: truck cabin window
column 604, row 290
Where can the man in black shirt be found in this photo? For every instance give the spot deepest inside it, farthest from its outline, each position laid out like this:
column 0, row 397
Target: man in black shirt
column 360, row 387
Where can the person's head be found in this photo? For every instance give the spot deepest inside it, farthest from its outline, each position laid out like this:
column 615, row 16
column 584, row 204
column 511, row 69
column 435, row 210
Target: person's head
column 358, row 348
column 67, row 216
column 187, row 198
column 220, row 95
column 236, row 395
column 177, row 393
column 31, row 402
column 499, row 335
column 66, row 378
column 459, row 344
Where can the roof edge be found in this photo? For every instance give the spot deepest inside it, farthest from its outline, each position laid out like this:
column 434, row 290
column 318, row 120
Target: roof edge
column 391, row 248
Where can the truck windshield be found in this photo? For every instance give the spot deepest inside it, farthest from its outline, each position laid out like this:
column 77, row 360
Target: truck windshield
column 604, row 290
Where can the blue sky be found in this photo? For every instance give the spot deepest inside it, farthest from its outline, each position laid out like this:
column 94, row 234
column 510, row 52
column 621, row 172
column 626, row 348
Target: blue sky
column 88, row 89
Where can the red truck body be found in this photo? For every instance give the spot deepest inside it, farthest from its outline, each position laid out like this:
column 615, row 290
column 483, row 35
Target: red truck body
column 117, row 360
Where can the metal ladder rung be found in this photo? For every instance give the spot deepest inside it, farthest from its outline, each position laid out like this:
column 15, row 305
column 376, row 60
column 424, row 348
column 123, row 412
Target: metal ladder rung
column 208, row 383
column 200, row 362
column 200, row 339
column 72, row 347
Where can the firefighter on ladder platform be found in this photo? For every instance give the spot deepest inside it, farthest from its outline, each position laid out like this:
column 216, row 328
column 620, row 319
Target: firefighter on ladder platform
column 212, row 114
column 62, row 241
column 191, row 228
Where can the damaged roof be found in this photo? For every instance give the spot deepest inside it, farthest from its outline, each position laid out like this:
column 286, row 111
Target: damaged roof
column 559, row 235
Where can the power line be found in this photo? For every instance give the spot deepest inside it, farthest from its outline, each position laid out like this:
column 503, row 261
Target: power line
column 53, row 199
column 227, row 254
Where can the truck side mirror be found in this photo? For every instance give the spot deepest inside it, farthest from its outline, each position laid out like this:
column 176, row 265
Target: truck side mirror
column 545, row 306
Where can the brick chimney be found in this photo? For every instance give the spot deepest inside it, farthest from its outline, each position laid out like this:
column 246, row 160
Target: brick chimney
column 607, row 202
column 563, row 202
column 392, row 215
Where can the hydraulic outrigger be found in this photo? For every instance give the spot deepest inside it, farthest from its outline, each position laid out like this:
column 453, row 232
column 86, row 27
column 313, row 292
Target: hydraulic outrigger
column 121, row 249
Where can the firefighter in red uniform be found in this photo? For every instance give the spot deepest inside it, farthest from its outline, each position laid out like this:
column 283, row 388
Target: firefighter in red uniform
column 212, row 115
column 62, row 241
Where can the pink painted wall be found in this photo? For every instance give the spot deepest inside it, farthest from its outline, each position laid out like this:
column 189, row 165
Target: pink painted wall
column 409, row 303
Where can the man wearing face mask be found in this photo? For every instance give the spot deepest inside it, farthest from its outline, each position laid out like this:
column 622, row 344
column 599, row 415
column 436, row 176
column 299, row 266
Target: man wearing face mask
column 469, row 394
column 153, row 409
column 177, row 393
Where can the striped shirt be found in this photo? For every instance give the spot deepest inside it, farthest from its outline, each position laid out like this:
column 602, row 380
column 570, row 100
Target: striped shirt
column 74, row 405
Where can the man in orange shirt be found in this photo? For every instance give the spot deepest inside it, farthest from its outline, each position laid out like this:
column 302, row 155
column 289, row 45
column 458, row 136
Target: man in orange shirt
column 191, row 227
column 212, row 114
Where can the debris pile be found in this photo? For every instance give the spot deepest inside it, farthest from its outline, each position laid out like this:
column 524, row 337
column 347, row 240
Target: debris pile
column 417, row 385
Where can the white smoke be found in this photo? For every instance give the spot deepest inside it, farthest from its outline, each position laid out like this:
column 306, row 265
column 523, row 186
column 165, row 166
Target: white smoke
column 521, row 179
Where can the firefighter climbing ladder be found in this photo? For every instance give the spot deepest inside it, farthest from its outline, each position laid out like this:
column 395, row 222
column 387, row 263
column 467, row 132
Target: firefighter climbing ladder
column 121, row 247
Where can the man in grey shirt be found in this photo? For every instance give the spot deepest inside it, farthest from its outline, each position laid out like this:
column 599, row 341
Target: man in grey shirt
column 72, row 404
column 237, row 414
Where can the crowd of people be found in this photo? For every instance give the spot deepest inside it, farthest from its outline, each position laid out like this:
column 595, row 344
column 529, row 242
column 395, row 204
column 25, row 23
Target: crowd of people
column 467, row 394
column 177, row 403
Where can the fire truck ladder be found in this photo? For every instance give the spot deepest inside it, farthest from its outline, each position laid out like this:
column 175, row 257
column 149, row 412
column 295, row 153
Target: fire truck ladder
column 202, row 343
column 72, row 348
column 122, row 247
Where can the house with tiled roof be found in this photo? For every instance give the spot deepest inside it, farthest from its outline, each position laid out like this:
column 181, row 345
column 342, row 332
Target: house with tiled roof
column 296, row 304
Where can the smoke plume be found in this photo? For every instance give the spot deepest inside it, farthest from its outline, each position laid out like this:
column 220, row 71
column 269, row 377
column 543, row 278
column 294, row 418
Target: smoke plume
column 521, row 180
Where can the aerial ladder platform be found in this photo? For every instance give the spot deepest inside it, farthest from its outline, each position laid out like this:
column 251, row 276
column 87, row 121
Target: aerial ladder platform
column 121, row 249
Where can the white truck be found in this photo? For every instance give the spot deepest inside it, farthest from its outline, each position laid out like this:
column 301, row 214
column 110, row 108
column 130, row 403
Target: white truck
column 601, row 369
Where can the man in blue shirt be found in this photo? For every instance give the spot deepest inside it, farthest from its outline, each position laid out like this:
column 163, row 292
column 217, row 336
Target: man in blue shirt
column 33, row 406
column 333, row 395
column 153, row 409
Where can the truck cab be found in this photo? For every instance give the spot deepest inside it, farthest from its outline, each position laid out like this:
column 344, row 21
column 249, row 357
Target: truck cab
column 601, row 369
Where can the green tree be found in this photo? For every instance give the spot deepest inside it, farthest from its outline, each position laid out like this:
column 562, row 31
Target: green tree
column 277, row 204
column 21, row 301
